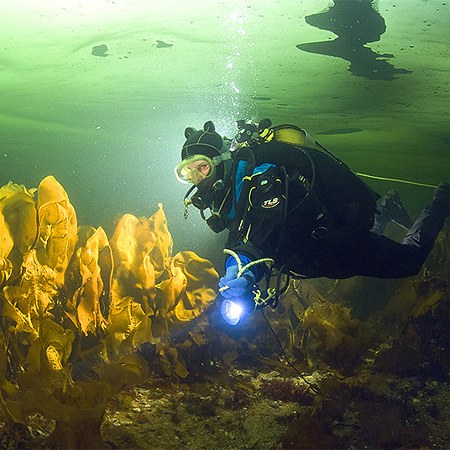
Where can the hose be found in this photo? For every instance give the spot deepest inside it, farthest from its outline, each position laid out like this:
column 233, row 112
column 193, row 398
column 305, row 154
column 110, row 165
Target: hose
column 241, row 268
column 395, row 180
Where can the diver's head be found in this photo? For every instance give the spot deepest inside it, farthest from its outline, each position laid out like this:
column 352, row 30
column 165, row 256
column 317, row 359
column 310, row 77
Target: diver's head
column 207, row 165
column 202, row 156
column 205, row 142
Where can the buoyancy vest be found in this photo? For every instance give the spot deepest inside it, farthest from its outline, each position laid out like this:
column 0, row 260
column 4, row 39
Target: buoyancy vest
column 351, row 202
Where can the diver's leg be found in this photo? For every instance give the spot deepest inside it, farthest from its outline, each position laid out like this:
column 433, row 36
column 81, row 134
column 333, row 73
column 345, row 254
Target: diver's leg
column 407, row 258
column 391, row 209
column 429, row 223
column 373, row 255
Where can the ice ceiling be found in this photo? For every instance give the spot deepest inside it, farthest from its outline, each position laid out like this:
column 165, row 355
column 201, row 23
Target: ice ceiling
column 98, row 92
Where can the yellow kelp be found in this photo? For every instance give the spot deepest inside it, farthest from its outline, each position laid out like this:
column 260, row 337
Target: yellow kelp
column 153, row 292
column 6, row 245
column 57, row 227
column 76, row 306
column 93, row 261
column 32, row 299
column 18, row 227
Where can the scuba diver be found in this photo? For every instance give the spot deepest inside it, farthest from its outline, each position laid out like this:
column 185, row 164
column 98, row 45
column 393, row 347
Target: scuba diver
column 289, row 202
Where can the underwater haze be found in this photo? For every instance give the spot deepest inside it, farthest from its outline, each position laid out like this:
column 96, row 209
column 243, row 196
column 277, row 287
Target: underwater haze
column 98, row 93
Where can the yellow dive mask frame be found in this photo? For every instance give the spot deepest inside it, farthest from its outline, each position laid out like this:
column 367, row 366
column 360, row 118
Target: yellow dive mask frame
column 198, row 167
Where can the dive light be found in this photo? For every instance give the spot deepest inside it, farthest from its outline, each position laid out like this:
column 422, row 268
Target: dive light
column 234, row 310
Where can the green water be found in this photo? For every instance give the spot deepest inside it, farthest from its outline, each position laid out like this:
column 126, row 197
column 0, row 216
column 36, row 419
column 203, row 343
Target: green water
column 109, row 124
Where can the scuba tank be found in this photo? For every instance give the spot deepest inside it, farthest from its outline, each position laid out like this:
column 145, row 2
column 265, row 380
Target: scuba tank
column 351, row 202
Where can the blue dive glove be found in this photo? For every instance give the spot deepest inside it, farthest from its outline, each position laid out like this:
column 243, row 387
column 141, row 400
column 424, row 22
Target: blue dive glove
column 236, row 287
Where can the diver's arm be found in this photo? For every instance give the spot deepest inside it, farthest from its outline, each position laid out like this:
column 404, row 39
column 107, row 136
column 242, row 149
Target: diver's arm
column 247, row 253
column 255, row 232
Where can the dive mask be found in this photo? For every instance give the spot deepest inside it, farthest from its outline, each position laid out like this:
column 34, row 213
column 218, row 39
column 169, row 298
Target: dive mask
column 195, row 169
column 198, row 168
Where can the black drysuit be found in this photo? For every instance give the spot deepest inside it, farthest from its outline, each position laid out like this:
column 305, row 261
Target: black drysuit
column 313, row 216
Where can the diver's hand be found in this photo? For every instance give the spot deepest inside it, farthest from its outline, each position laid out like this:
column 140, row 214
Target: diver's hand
column 232, row 287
